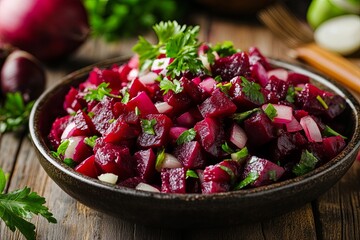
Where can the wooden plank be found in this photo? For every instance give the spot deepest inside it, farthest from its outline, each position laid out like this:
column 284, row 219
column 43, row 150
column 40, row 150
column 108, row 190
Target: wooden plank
column 338, row 209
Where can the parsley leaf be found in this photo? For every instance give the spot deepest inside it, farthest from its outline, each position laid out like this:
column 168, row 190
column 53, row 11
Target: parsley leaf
column 252, row 90
column 290, row 94
column 14, row 114
column 240, row 155
column 224, row 49
column 224, row 87
column 328, row 131
column 270, row 111
column 90, row 141
column 226, row 148
column 160, row 157
column 322, row 102
column 148, row 126
column 186, row 136
column 126, row 97
column 229, row 172
column 61, row 149
column 240, row 117
column 191, row 174
column 99, row 93
column 306, row 164
column 167, row 85
column 19, row 205
column 250, row 178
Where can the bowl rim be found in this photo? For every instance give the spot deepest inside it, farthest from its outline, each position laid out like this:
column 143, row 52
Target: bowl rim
column 350, row 149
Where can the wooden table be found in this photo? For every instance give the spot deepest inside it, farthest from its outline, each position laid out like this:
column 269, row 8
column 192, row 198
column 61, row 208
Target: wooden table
column 334, row 215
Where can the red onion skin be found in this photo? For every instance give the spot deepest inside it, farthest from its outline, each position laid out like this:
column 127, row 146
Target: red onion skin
column 48, row 29
column 21, row 72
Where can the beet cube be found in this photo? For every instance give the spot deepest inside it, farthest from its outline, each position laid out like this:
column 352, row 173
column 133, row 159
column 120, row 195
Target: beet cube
column 256, row 56
column 115, row 159
column 179, row 101
column 143, row 103
column 135, row 87
column 277, row 87
column 212, row 186
column 87, row 167
column 297, row 78
column 232, row 66
column 239, row 98
column 84, row 125
column 210, row 134
column 120, row 130
column 190, row 155
column 268, row 172
column 173, row 180
column 259, row 129
column 333, row 146
column 161, row 132
column 73, row 101
column 145, row 164
column 175, row 133
column 218, row 104
column 131, row 182
column 192, row 90
column 98, row 76
column 57, row 130
column 227, row 171
column 103, row 115
column 286, row 145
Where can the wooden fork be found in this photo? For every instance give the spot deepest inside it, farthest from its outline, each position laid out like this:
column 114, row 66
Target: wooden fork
column 298, row 36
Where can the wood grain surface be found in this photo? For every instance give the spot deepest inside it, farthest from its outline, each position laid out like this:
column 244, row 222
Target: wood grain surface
column 334, row 215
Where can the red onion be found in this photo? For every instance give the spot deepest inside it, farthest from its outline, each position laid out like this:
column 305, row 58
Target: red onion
column 49, row 30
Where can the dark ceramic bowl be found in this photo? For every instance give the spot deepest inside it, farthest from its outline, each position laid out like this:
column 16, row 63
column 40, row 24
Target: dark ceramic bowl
column 186, row 210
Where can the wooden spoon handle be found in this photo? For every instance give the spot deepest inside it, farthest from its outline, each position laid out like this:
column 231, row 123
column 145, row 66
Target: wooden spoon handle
column 333, row 65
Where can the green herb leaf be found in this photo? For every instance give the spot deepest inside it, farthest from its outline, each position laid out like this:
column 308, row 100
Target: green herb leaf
column 290, row 94
column 224, row 87
column 19, row 205
column 160, row 157
column 61, row 149
column 218, row 78
column 226, row 148
column 328, row 132
column 229, row 172
column 322, row 102
column 148, row 126
column 270, row 111
column 191, row 174
column 306, row 164
column 14, row 114
column 126, row 97
column 99, row 93
column 186, row 136
column 241, row 155
column 70, row 162
column 252, row 90
column 166, row 85
column 250, row 178
column 137, row 111
column 225, row 48
column 272, row 175
column 240, row 117
column 90, row 141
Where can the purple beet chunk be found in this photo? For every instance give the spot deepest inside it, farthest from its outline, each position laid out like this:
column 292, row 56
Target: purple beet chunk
column 239, row 98
column 190, row 155
column 277, row 89
column 83, row 124
column 131, row 182
column 256, row 56
column 115, row 159
column 57, row 129
column 333, row 146
column 212, row 186
column 103, row 114
column 226, row 171
column 232, row 66
column 210, row 134
column 161, row 129
column 286, row 145
column 179, row 101
column 173, row 180
column 218, row 104
column 192, row 90
column 259, row 129
column 145, row 164
column 307, row 99
column 268, row 172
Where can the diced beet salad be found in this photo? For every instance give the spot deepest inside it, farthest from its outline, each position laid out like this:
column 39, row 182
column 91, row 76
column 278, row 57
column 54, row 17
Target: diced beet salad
column 187, row 117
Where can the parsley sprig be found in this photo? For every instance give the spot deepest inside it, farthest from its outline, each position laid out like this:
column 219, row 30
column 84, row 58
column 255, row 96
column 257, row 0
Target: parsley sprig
column 18, row 206
column 14, row 113
column 175, row 41
column 167, row 85
column 100, row 92
column 252, row 90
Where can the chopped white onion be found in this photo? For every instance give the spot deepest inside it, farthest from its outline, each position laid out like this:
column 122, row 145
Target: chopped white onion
column 108, row 177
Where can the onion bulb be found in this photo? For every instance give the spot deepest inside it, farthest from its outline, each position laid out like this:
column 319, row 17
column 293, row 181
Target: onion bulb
column 49, row 30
